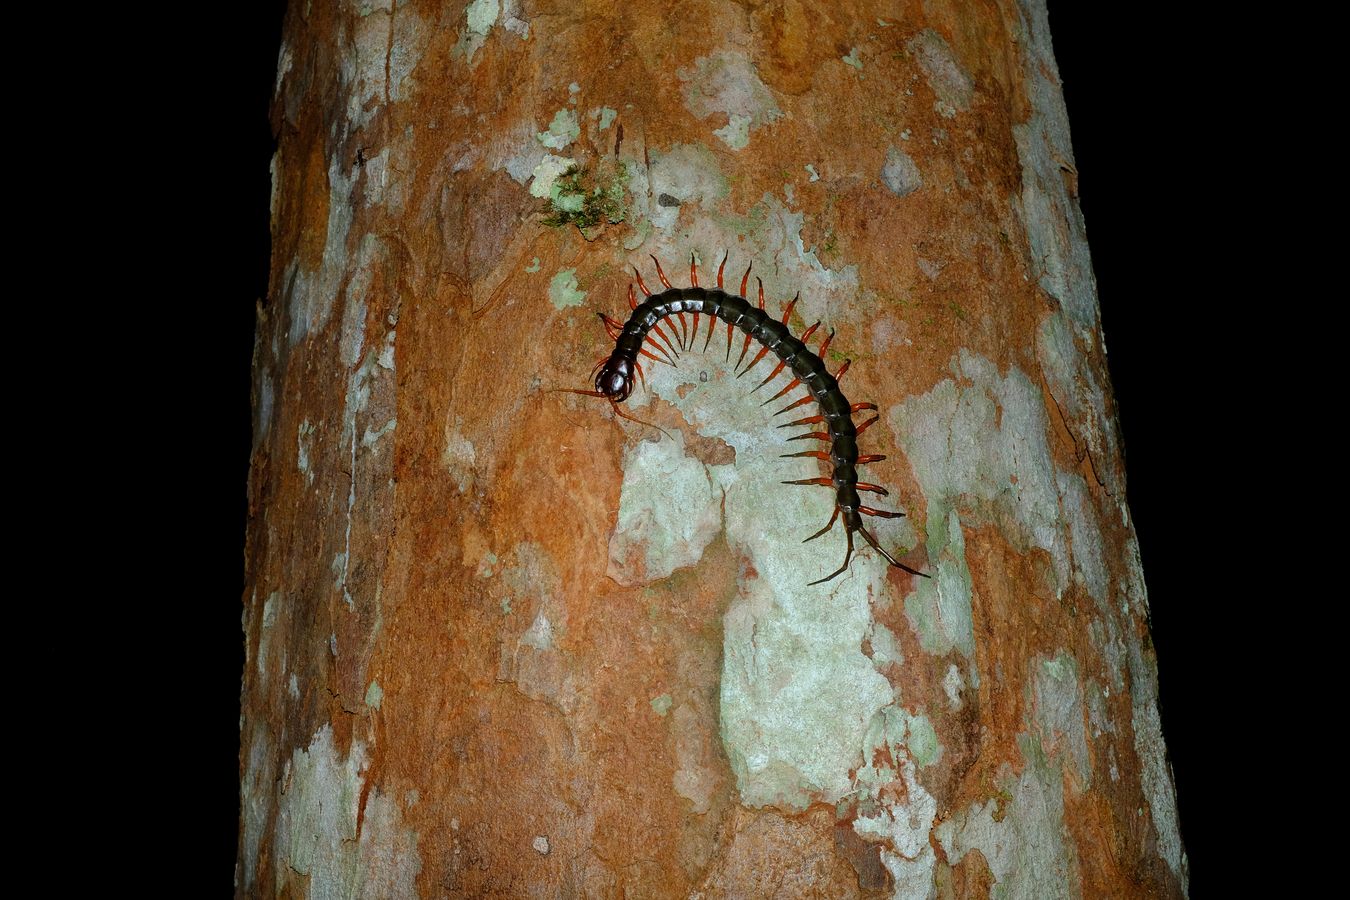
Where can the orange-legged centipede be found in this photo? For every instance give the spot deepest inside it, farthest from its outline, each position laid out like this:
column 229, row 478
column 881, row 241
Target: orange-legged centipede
column 615, row 374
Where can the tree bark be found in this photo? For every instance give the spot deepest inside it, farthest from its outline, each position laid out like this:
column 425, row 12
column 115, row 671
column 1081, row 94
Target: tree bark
column 503, row 643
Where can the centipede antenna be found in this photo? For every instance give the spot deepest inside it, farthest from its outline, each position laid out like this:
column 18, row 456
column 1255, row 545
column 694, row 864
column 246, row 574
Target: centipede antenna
column 842, row 569
column 828, row 525
column 574, row 391
column 618, row 411
column 725, row 254
column 642, row 285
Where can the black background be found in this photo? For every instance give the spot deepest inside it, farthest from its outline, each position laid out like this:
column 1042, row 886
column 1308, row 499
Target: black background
column 1146, row 111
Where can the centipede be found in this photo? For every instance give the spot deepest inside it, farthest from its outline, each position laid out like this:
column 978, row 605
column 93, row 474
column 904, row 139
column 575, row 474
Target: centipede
column 615, row 374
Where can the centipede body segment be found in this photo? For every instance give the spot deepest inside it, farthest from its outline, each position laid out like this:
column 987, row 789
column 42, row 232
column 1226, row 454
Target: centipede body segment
column 615, row 375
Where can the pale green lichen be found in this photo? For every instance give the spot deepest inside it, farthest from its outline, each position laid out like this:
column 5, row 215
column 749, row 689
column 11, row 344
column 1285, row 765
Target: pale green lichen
column 315, row 833
column 736, row 133
column 563, row 130
column 374, row 695
column 533, row 266
column 482, row 15
column 562, row 289
column 548, row 171
column 852, row 59
column 661, row 704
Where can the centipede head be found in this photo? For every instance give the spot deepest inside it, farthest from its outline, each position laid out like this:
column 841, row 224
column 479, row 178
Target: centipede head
column 615, row 378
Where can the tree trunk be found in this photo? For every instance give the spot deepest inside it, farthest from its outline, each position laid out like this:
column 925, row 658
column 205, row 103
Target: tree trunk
column 504, row 643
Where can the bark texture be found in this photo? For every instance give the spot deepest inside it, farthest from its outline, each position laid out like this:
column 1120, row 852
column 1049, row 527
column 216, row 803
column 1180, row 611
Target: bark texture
column 503, row 644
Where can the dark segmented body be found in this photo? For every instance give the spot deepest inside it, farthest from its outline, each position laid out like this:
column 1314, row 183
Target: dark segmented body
column 775, row 336
column 614, row 378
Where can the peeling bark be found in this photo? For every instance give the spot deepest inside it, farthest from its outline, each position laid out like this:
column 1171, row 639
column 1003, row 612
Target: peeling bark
column 501, row 643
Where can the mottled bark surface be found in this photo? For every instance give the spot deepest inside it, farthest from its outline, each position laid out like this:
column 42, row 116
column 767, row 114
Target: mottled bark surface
column 501, row 643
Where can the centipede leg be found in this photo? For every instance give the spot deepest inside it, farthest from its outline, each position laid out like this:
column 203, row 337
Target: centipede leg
column 828, row 525
column 641, row 378
column 842, row 569
column 725, row 255
column 820, row 482
column 883, row 513
column 891, row 559
column 712, row 323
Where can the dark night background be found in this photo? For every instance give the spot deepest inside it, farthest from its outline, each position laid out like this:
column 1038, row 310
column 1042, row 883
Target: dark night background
column 1140, row 128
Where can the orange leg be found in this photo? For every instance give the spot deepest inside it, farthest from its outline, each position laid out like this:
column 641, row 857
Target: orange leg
column 874, row 488
column 693, row 279
column 725, row 254
column 885, row 514
column 818, row 435
column 802, row 402
column 641, row 284
column 821, row 482
column 871, row 458
column 794, row 383
column 857, row 406
column 772, row 375
column 818, row 454
column 864, row 426
column 810, row 420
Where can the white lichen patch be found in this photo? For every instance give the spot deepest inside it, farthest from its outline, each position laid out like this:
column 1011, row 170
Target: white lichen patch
column 547, row 172
column 315, row 833
column 952, row 685
column 977, row 443
column 459, row 456
column 695, row 779
column 312, row 294
column 1151, row 750
column 562, row 289
column 479, row 17
column 736, row 133
column 374, row 695
column 685, row 174
column 255, row 794
column 302, row 438
column 852, row 59
column 948, row 79
column 900, row 174
column 1021, row 835
column 669, row 511
column 797, row 691
column 540, row 633
column 726, row 82
column 603, row 117
column 563, row 130
column 1050, row 213
column 661, row 704
column 1059, row 714
column 903, row 818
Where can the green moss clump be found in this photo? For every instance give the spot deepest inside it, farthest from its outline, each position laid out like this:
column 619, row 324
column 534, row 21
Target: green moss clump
column 587, row 198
